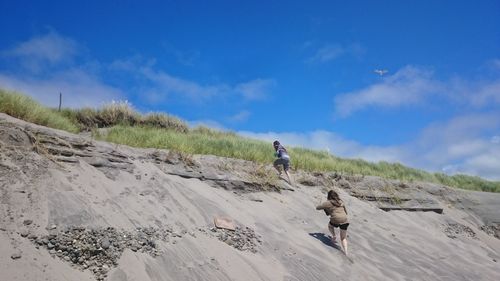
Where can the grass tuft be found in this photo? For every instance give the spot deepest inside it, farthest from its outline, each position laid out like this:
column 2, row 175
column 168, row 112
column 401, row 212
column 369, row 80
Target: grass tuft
column 25, row 108
column 164, row 121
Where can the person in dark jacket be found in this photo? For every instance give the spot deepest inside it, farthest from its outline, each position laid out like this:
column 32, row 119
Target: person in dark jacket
column 335, row 208
column 283, row 159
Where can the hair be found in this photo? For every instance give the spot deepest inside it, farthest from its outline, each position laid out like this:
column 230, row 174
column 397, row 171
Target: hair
column 334, row 198
column 332, row 195
column 275, row 143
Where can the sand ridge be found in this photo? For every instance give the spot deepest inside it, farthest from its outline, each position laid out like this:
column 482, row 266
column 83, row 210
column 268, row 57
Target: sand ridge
column 59, row 180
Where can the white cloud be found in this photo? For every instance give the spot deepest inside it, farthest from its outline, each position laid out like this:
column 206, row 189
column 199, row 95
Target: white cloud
column 49, row 73
column 79, row 89
column 50, row 48
column 49, row 55
column 486, row 94
column 408, row 86
column 241, row 116
column 412, row 86
column 166, row 85
column 327, row 53
column 330, row 52
column 257, row 89
column 161, row 85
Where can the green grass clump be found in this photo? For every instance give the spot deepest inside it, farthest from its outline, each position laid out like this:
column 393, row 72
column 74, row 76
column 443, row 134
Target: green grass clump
column 164, row 121
column 111, row 114
column 25, row 108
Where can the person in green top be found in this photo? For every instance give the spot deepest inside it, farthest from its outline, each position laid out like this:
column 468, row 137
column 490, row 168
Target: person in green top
column 335, row 208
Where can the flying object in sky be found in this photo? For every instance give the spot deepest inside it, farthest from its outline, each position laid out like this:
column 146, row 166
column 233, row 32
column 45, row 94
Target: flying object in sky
column 381, row 71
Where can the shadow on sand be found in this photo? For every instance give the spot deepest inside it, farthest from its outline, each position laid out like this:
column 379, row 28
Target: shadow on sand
column 328, row 241
column 325, row 239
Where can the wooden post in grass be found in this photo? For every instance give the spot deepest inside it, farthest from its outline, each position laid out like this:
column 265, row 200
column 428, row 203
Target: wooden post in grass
column 60, row 101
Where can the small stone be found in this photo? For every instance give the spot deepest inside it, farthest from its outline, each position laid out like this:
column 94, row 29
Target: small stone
column 105, row 243
column 24, row 233
column 50, row 246
column 15, row 256
column 53, row 226
column 27, row 222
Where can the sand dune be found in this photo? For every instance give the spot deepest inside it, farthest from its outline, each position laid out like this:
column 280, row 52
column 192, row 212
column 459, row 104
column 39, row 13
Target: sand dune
column 52, row 181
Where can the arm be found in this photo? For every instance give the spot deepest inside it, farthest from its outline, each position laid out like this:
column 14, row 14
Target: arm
column 322, row 206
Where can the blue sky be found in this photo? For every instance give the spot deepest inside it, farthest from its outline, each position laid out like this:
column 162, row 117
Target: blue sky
column 297, row 71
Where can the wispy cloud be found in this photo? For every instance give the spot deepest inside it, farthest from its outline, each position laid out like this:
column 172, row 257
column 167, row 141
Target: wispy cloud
column 50, row 70
column 330, row 52
column 53, row 64
column 409, row 85
column 257, row 89
column 37, row 52
column 184, row 57
column 161, row 85
column 239, row 117
column 418, row 86
column 326, row 53
column 79, row 89
column 167, row 85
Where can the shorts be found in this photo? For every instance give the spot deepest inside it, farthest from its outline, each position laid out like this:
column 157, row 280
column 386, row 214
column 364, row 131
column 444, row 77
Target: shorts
column 282, row 161
column 342, row 226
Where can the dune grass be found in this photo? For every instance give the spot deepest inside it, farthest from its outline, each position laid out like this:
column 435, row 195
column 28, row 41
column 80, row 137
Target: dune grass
column 121, row 113
column 25, row 108
column 159, row 130
column 227, row 144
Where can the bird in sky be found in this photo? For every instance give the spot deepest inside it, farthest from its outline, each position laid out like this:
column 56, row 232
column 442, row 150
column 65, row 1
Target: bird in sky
column 381, row 71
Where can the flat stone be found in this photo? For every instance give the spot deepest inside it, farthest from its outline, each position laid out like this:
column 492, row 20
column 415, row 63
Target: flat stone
column 27, row 222
column 15, row 256
column 224, row 223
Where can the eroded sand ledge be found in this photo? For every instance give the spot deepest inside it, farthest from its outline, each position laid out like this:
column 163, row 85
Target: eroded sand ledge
column 51, row 181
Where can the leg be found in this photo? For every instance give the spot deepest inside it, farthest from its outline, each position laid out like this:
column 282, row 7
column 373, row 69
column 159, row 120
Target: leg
column 286, row 167
column 332, row 231
column 343, row 240
column 276, row 164
column 288, row 176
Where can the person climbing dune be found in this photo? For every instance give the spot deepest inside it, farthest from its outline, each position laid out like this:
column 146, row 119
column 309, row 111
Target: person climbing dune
column 283, row 159
column 335, row 208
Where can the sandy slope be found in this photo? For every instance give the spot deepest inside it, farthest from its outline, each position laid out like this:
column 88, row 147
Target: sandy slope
column 140, row 191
